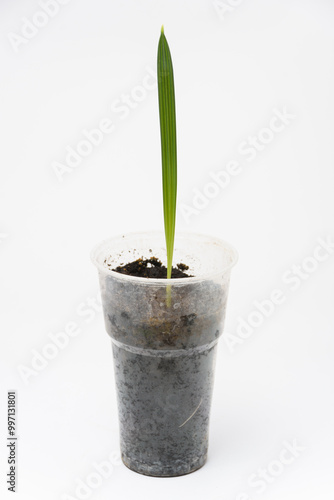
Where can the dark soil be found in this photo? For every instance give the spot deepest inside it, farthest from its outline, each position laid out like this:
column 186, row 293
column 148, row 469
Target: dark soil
column 151, row 268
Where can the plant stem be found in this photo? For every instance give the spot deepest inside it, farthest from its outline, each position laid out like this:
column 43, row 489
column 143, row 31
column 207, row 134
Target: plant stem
column 168, row 145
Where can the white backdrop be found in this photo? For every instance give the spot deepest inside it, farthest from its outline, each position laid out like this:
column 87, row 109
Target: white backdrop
column 254, row 87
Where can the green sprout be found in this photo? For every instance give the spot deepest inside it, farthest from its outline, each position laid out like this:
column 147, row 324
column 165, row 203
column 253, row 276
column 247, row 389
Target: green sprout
column 168, row 146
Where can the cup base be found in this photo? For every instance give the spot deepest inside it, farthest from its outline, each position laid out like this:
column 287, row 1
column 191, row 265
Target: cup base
column 180, row 468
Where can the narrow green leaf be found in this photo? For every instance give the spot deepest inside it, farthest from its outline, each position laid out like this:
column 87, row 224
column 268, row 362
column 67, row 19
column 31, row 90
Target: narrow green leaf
column 168, row 144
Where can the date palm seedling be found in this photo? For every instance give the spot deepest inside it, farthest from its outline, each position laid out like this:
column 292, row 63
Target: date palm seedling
column 168, row 147
column 155, row 344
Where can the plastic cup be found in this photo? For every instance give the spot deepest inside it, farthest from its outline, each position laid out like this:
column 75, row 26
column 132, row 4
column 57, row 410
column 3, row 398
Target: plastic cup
column 164, row 352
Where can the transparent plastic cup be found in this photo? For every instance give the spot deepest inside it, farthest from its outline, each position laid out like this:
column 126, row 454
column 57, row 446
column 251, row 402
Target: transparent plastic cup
column 164, row 350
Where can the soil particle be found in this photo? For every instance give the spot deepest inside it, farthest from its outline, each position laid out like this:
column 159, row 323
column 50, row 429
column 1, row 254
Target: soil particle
column 182, row 267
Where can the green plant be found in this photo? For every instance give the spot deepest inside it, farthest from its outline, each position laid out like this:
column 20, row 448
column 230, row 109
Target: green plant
column 168, row 144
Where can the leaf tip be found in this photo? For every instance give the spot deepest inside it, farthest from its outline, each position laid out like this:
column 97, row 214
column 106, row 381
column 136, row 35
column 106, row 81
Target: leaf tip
column 162, row 30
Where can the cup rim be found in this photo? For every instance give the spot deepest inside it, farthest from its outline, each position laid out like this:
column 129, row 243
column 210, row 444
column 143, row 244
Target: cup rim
column 164, row 281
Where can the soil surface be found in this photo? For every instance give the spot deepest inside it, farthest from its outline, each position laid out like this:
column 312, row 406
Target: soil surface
column 152, row 268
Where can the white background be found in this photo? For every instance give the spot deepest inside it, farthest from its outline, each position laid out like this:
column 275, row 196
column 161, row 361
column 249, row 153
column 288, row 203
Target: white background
column 233, row 66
